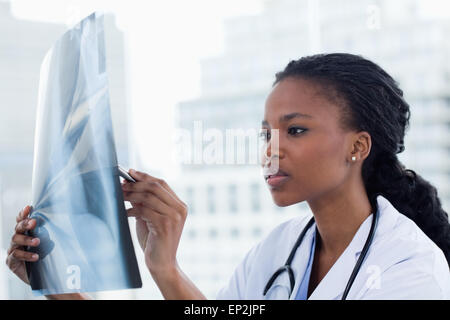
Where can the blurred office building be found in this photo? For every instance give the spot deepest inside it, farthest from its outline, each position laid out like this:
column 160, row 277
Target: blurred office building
column 230, row 207
column 23, row 45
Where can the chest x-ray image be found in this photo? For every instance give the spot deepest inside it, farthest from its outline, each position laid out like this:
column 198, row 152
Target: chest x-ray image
column 76, row 194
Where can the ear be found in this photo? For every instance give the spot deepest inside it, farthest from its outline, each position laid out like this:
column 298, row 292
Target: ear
column 361, row 146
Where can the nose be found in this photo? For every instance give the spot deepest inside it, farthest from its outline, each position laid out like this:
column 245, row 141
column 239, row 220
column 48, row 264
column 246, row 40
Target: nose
column 271, row 153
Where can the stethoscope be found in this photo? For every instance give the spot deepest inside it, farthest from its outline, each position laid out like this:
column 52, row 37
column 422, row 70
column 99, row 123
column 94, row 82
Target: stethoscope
column 287, row 266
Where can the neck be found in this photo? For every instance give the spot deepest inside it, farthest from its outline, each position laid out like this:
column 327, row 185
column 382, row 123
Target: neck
column 338, row 216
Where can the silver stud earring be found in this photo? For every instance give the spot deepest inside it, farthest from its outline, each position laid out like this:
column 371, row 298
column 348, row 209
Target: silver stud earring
column 353, row 158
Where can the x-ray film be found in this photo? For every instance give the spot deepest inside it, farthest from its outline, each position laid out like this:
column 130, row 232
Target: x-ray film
column 76, row 194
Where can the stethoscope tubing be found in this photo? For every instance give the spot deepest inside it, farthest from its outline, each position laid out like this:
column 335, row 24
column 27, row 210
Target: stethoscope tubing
column 287, row 266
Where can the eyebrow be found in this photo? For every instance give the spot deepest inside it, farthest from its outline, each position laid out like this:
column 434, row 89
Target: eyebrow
column 290, row 116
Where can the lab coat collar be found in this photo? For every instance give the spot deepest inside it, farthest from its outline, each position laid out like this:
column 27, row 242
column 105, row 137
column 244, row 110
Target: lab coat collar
column 300, row 261
column 332, row 286
column 281, row 287
column 335, row 281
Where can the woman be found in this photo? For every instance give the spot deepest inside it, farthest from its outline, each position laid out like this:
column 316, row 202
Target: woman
column 341, row 121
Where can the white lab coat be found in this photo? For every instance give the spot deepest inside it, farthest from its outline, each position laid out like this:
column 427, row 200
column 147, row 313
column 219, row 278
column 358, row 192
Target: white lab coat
column 402, row 263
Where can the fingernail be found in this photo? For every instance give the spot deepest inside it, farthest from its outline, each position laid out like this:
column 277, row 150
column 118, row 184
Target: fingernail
column 36, row 241
column 132, row 171
column 35, row 256
column 29, row 223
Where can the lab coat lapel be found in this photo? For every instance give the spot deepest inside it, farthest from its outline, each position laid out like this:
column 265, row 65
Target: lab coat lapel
column 281, row 286
column 332, row 286
column 300, row 261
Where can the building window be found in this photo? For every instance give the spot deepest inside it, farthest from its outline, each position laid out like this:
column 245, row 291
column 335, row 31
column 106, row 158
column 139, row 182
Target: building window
column 254, row 196
column 192, row 234
column 211, row 198
column 190, row 199
column 232, row 198
column 234, row 232
column 213, row 233
column 257, row 232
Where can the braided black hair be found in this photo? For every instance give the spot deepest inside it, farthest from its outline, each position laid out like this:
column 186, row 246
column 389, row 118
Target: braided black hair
column 371, row 100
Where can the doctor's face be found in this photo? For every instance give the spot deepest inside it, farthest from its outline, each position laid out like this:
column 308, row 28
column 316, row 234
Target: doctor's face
column 312, row 145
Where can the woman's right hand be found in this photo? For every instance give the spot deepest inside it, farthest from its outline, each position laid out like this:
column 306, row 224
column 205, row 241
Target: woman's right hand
column 17, row 255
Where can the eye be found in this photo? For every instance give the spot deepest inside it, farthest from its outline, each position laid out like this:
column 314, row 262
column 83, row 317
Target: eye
column 296, row 131
column 264, row 134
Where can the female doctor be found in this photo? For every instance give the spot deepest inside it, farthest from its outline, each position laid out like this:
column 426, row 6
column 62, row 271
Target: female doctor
column 376, row 230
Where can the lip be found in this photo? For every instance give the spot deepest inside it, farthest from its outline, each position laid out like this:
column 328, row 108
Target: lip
column 277, row 179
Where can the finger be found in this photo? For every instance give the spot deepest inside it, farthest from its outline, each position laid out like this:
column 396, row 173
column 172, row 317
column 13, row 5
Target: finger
column 149, row 200
column 180, row 205
column 141, row 176
column 152, row 187
column 137, row 212
column 134, row 212
column 24, row 225
column 151, row 216
column 23, row 255
column 23, row 240
column 23, row 213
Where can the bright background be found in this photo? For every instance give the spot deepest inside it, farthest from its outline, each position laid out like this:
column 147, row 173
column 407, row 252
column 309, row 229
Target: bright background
column 175, row 62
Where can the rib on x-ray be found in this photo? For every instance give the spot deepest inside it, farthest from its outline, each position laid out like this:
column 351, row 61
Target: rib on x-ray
column 77, row 199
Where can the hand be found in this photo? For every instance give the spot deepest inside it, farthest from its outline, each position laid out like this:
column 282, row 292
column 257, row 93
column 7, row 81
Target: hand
column 16, row 253
column 160, row 217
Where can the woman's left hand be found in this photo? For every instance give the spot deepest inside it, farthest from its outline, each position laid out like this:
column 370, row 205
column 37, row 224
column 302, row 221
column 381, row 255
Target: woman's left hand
column 160, row 217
